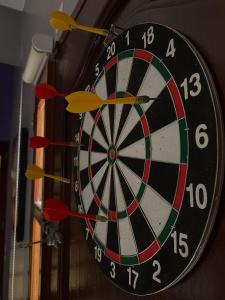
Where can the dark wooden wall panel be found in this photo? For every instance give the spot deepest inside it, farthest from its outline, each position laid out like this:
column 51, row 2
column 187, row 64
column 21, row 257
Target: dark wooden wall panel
column 203, row 23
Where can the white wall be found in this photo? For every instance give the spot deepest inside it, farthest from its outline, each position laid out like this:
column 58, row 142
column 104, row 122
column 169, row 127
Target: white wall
column 15, row 4
column 36, row 20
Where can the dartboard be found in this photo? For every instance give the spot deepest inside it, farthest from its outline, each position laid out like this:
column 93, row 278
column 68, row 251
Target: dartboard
column 153, row 170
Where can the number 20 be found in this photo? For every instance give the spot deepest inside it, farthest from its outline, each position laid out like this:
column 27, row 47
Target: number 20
column 111, row 50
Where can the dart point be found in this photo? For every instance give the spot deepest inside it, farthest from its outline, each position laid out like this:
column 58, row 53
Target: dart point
column 101, row 218
column 143, row 99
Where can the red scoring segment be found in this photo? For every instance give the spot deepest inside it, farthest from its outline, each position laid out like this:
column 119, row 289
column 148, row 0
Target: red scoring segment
column 112, row 62
column 180, row 187
column 177, row 101
column 149, row 252
column 144, row 55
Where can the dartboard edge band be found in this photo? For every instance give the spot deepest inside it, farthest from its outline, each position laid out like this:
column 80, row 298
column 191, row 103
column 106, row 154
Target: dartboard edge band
column 155, row 170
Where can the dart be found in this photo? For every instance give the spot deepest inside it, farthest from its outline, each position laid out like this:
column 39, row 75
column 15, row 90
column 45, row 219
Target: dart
column 35, row 172
column 42, row 142
column 80, row 102
column 56, row 210
column 46, row 91
column 61, row 21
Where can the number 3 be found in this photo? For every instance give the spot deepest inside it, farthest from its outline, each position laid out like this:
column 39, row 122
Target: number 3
column 113, row 271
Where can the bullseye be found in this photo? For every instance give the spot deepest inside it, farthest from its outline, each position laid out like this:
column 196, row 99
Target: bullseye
column 112, row 154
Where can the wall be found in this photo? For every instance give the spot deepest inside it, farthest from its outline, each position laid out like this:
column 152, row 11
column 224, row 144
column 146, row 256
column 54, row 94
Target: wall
column 16, row 31
column 10, row 36
column 15, row 4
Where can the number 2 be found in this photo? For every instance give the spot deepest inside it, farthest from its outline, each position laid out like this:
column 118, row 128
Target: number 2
column 156, row 265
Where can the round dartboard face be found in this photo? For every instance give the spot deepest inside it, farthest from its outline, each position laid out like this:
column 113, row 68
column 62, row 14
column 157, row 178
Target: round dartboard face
column 153, row 170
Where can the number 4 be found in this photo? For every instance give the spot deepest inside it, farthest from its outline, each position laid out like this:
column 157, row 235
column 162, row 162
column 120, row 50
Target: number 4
column 171, row 49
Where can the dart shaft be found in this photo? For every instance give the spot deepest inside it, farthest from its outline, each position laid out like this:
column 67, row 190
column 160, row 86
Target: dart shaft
column 99, row 31
column 130, row 100
column 127, row 100
column 59, row 178
column 65, row 213
column 85, row 216
column 67, row 144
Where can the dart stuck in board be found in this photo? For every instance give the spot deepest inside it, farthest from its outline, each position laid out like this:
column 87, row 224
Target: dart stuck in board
column 42, row 142
column 35, row 172
column 83, row 101
column 56, row 210
column 61, row 21
column 80, row 102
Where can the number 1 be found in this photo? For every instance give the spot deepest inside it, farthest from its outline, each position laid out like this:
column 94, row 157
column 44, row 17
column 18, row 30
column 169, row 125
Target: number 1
column 128, row 38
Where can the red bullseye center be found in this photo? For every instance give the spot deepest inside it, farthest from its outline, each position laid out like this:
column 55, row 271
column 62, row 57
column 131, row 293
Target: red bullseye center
column 112, row 154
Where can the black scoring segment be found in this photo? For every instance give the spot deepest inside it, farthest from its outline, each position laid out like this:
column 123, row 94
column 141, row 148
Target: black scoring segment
column 135, row 164
column 111, row 80
column 123, row 118
column 85, row 140
column 141, row 229
column 93, row 113
column 102, row 129
column 135, row 135
column 93, row 209
column 112, row 201
column 138, row 71
column 101, row 186
column 112, row 237
column 96, row 167
column 96, row 147
column 161, row 112
column 111, row 119
column 163, row 179
column 84, row 180
column 128, row 195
